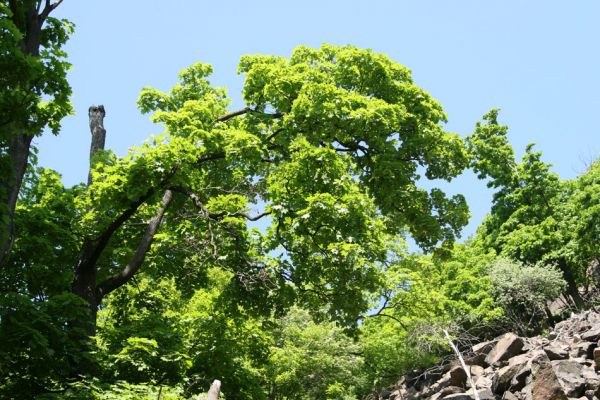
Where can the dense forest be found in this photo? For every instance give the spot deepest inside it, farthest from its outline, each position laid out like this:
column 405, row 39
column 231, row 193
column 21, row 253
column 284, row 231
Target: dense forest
column 266, row 247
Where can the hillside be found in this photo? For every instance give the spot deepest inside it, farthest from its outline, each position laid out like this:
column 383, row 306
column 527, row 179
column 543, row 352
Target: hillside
column 561, row 364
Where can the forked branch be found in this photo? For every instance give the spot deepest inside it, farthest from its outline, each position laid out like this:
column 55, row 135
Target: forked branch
column 138, row 257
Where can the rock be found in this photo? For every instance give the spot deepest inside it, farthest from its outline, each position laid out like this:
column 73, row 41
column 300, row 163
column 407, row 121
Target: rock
column 591, row 335
column 458, row 376
column 519, row 381
column 483, row 382
column 520, row 359
column 562, row 366
column 476, row 371
column 455, row 377
column 484, row 347
column 527, row 392
column 508, row 346
column 556, row 353
column 458, row 396
column 545, row 384
column 503, row 377
column 509, row 396
column 478, row 359
column 451, row 390
column 583, row 361
column 590, row 394
column 569, row 374
column 583, row 349
column 484, row 394
column 592, row 380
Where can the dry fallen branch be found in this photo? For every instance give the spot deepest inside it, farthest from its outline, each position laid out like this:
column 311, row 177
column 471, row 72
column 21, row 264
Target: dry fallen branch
column 462, row 363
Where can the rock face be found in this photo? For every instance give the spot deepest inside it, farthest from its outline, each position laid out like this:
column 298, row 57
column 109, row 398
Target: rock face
column 563, row 365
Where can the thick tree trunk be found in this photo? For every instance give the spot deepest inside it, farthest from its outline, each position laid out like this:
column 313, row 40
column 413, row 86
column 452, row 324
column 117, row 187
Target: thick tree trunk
column 30, row 24
column 85, row 284
column 96, row 115
column 84, row 280
column 574, row 294
column 19, row 154
column 572, row 288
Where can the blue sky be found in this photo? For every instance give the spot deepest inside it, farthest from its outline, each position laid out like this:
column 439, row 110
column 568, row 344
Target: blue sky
column 539, row 61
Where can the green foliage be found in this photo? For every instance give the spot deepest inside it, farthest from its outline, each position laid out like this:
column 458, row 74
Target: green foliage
column 366, row 106
column 146, row 308
column 524, row 290
column 35, row 92
column 313, row 361
column 40, row 350
column 424, row 295
column 580, row 224
column 531, row 220
column 328, row 149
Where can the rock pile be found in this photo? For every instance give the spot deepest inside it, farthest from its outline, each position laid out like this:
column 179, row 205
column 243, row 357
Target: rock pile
column 562, row 365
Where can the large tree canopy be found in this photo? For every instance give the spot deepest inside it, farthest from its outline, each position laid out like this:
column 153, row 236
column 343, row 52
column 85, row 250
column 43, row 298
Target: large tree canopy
column 180, row 262
column 328, row 148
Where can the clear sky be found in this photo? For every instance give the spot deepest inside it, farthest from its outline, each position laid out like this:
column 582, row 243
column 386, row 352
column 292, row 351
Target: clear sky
column 539, row 61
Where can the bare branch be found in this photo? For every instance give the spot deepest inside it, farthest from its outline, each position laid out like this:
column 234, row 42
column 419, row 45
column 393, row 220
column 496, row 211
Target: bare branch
column 380, row 314
column 138, row 257
column 272, row 135
column 92, row 247
column 462, row 363
column 255, row 218
column 218, row 216
column 233, row 114
column 48, row 8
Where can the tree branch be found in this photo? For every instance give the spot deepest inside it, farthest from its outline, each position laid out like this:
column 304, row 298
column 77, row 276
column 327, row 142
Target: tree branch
column 218, row 216
column 233, row 114
column 247, row 110
column 48, row 8
column 138, row 257
column 380, row 314
column 462, row 363
column 212, row 156
column 92, row 248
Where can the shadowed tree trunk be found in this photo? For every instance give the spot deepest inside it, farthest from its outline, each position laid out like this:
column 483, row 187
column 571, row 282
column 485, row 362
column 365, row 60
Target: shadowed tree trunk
column 572, row 288
column 96, row 116
column 28, row 17
column 85, row 282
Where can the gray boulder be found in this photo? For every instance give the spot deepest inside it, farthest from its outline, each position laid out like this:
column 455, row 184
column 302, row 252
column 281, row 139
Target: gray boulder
column 570, row 376
column 508, row 346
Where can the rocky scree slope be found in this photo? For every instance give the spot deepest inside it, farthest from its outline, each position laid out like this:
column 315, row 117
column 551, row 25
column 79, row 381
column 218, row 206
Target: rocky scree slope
column 562, row 365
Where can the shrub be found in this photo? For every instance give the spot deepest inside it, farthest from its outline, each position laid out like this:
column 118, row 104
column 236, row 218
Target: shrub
column 523, row 292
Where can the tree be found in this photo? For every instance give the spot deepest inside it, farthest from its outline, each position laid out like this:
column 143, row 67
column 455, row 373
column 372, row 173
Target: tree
column 314, row 361
column 527, row 209
column 580, row 222
column 327, row 149
column 523, row 291
column 422, row 296
column 35, row 93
